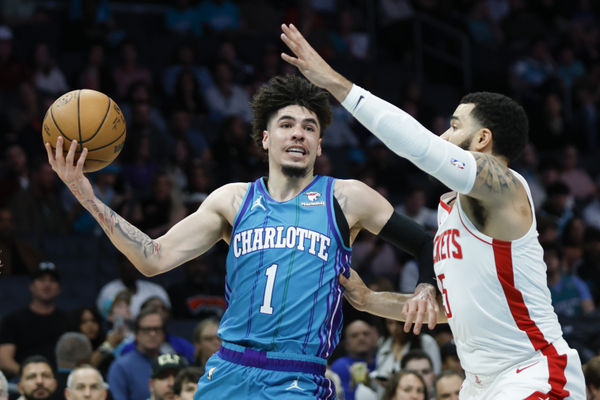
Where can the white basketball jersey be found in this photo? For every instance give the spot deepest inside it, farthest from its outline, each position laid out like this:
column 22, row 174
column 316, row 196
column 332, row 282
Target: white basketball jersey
column 495, row 292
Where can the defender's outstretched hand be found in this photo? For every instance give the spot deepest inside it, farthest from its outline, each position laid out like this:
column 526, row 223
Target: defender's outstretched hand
column 68, row 171
column 312, row 65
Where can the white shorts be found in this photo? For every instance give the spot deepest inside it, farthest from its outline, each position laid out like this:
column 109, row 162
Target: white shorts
column 553, row 373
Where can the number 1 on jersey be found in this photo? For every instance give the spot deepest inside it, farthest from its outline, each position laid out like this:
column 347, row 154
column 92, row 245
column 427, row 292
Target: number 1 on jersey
column 266, row 307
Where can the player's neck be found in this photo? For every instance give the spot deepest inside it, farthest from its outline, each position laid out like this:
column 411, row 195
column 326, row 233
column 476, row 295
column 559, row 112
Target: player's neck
column 283, row 188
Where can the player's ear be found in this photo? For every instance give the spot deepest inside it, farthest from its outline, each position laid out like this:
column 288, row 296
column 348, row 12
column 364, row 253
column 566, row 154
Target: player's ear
column 265, row 140
column 483, row 140
column 319, row 149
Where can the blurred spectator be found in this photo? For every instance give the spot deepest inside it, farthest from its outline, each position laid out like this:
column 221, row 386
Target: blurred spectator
column 569, row 68
column 241, row 71
column 129, row 279
column 570, row 295
column 415, row 207
column 200, row 294
column 36, row 379
column 360, row 340
column 12, row 70
column 162, row 209
column 372, row 256
column 37, row 209
column 182, row 129
column 188, row 94
column 586, row 117
column 47, row 76
column 206, row 340
column 420, row 362
column 558, row 204
column 220, row 15
column 398, row 343
column 128, row 375
column 550, row 129
column 589, row 269
column 72, row 349
column 591, row 212
column 579, row 181
column 349, row 42
column 185, row 59
column 450, row 359
column 183, row 19
column 186, row 383
column 199, row 185
column 140, row 96
column 234, row 151
column 527, row 165
column 95, row 74
column 17, row 256
column 591, row 372
column 482, row 28
column 533, row 70
column 128, row 70
column 226, row 98
column 405, row 385
column 35, row 329
column 164, row 370
column 172, row 343
column 447, row 385
column 21, row 113
column 89, row 21
column 85, row 383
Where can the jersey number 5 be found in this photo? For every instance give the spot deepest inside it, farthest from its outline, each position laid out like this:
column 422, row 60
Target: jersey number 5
column 445, row 293
column 266, row 307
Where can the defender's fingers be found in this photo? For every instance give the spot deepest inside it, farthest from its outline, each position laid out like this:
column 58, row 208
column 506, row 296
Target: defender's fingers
column 432, row 315
column 410, row 316
column 292, row 60
column 419, row 317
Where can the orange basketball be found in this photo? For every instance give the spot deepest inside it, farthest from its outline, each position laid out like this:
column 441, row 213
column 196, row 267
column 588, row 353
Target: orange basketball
column 93, row 119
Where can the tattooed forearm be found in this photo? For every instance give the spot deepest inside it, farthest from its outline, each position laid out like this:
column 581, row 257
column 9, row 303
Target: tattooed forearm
column 109, row 220
column 492, row 175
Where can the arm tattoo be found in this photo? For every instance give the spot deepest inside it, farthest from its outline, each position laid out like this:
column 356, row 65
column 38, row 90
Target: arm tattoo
column 492, row 176
column 109, row 220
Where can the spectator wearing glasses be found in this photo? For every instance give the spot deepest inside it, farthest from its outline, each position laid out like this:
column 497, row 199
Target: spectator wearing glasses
column 35, row 329
column 129, row 374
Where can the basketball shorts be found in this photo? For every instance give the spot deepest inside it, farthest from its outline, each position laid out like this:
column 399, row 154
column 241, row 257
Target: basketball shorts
column 237, row 372
column 553, row 373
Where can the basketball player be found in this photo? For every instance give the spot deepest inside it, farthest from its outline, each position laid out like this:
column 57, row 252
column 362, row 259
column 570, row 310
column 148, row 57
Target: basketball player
column 487, row 259
column 290, row 237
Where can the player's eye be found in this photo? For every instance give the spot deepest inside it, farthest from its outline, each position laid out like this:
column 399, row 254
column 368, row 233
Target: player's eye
column 286, row 125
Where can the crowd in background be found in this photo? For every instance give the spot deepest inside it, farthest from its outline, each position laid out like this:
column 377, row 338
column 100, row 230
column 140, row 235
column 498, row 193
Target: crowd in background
column 183, row 73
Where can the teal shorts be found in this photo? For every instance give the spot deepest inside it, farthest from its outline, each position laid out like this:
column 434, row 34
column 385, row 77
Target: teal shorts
column 237, row 372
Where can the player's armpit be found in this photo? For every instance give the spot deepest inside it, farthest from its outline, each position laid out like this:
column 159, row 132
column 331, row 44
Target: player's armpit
column 494, row 179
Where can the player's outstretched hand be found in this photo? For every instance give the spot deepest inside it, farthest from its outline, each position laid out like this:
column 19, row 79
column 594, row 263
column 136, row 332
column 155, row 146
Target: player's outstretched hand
column 356, row 291
column 422, row 303
column 68, row 171
column 311, row 64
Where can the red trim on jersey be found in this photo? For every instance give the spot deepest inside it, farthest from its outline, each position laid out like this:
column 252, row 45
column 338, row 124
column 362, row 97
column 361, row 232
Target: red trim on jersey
column 556, row 363
column 445, row 206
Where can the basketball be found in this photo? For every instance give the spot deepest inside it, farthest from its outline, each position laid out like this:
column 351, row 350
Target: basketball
column 93, row 119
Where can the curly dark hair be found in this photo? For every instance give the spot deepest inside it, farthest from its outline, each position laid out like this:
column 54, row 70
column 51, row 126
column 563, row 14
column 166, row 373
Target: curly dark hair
column 504, row 117
column 282, row 91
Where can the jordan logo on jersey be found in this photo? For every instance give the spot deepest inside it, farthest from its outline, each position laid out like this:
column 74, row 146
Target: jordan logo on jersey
column 258, row 203
column 446, row 245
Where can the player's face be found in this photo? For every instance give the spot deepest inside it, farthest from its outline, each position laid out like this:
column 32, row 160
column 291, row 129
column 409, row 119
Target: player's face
column 462, row 127
column 37, row 381
column 86, row 384
column 409, row 388
column 293, row 140
column 448, row 388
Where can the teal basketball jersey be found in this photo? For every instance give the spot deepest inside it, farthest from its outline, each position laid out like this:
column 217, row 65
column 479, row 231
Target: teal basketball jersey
column 283, row 265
